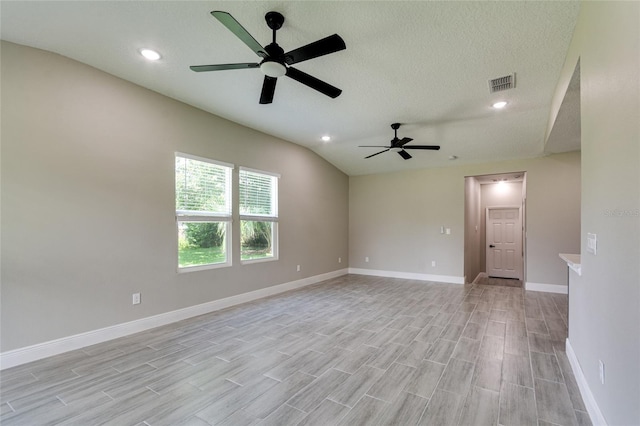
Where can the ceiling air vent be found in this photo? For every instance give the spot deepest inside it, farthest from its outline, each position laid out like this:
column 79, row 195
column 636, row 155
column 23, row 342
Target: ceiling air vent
column 502, row 83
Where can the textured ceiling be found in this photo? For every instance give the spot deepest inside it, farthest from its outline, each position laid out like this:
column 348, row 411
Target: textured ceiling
column 423, row 64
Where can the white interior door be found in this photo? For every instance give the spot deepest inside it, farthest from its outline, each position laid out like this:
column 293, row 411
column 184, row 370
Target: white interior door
column 504, row 242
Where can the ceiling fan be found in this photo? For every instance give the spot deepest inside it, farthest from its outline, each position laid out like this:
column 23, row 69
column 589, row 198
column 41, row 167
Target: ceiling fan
column 399, row 145
column 275, row 62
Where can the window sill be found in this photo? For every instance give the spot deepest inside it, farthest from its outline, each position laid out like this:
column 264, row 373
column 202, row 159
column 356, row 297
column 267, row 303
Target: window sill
column 252, row 261
column 187, row 269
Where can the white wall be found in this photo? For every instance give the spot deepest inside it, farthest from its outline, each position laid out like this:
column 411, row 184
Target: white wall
column 88, row 214
column 395, row 218
column 604, row 312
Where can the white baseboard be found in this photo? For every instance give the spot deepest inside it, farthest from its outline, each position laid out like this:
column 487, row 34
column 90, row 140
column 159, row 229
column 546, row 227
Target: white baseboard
column 55, row 347
column 451, row 279
column 547, row 288
column 589, row 401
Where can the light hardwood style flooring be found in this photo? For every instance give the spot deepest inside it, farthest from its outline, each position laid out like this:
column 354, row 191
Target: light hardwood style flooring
column 353, row 350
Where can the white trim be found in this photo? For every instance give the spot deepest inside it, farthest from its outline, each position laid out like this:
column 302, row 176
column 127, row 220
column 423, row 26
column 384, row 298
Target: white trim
column 587, row 397
column 260, row 172
column 54, row 347
column 258, row 218
column 197, row 216
column 203, row 267
column 258, row 260
column 451, row 279
column 547, row 288
column 204, row 160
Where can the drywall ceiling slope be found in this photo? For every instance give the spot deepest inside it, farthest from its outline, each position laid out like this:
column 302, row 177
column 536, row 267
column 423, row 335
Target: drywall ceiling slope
column 424, row 64
column 565, row 134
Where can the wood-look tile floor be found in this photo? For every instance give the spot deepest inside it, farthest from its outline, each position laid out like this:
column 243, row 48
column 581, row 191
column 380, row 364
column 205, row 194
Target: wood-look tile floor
column 354, row 350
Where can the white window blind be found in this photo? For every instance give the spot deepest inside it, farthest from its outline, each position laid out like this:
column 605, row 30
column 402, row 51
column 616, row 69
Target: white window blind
column 203, row 188
column 258, row 194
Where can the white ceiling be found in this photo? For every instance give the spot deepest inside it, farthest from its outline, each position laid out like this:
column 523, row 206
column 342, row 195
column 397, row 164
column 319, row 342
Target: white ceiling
column 423, row 64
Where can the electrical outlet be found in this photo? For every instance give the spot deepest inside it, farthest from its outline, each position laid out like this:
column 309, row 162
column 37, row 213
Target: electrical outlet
column 136, row 298
column 339, row 260
column 433, row 263
column 448, row 231
column 298, row 268
column 601, row 364
column 366, row 259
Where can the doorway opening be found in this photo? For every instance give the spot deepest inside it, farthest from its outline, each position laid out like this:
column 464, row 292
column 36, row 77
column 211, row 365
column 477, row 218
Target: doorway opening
column 494, row 232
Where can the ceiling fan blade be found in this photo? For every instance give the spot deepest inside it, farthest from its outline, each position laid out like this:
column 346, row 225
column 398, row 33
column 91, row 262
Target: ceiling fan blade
column 234, row 26
column 268, row 89
column 373, row 155
column 221, row 67
column 314, row 83
column 431, row 147
column 403, row 141
column 373, row 146
column 331, row 44
column 404, row 154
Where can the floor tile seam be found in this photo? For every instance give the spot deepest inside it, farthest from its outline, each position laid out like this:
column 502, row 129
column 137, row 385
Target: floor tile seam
column 429, row 403
column 533, row 381
column 373, row 397
column 328, row 398
column 500, row 399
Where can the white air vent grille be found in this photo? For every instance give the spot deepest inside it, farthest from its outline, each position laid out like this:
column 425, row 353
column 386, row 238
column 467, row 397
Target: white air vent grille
column 502, row 83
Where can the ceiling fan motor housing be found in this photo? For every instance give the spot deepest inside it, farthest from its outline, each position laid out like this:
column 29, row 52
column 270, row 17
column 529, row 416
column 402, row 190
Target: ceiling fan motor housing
column 274, row 20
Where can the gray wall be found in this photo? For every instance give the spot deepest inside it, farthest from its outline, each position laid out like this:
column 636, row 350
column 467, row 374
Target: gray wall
column 395, row 218
column 604, row 322
column 88, row 214
column 472, row 235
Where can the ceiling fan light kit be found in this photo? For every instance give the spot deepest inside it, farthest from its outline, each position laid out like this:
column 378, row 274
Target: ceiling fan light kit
column 275, row 62
column 272, row 68
column 399, row 145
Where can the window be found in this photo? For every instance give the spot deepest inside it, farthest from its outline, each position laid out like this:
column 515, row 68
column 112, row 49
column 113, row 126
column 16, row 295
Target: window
column 258, row 215
column 203, row 212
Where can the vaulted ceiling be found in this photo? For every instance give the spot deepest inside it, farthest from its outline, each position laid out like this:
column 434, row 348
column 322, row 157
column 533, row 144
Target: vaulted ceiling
column 424, row 64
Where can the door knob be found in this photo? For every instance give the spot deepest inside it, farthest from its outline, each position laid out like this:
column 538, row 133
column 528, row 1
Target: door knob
column 491, row 245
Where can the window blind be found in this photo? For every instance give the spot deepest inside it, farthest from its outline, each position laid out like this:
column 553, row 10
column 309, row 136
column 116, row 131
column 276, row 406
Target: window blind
column 202, row 188
column 258, row 194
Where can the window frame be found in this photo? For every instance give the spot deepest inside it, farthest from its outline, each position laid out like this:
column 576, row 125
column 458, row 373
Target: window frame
column 186, row 216
column 273, row 218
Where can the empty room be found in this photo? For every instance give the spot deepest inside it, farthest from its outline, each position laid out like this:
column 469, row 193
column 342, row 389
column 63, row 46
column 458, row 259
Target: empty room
column 319, row 213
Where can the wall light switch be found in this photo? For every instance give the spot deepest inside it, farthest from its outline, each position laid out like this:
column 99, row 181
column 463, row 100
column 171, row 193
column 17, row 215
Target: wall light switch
column 448, row 231
column 592, row 243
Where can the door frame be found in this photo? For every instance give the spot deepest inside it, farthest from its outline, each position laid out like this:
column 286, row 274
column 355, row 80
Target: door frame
column 474, row 250
column 521, row 231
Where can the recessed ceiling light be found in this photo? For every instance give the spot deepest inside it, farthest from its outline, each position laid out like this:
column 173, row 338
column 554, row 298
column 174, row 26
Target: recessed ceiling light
column 499, row 105
column 326, row 138
column 151, row 55
column 453, row 157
